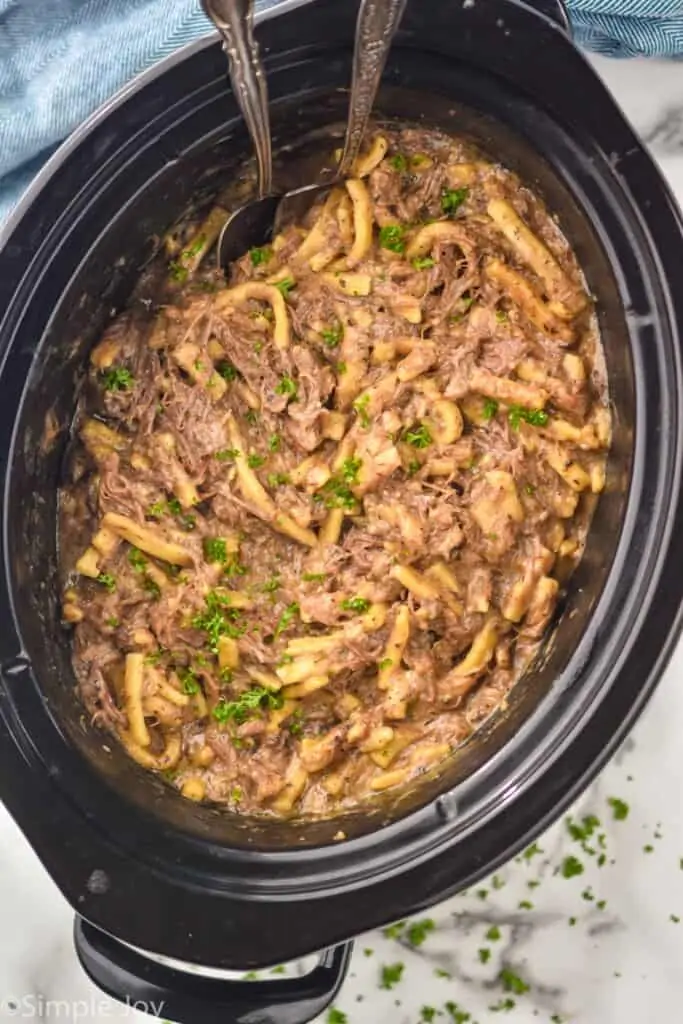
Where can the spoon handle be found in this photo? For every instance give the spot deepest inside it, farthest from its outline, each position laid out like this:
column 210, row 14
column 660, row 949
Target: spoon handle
column 235, row 23
column 377, row 23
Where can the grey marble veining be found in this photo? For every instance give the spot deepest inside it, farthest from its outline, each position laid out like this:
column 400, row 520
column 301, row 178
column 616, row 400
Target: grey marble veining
column 601, row 946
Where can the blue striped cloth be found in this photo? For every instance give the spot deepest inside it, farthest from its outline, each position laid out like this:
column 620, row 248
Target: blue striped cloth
column 60, row 59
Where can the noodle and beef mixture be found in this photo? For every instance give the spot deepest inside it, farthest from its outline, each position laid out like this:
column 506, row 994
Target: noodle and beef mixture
column 318, row 511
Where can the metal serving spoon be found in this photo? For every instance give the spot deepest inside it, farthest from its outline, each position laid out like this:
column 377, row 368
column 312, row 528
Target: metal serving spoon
column 254, row 223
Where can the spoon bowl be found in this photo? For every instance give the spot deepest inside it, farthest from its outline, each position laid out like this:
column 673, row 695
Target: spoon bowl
column 256, row 222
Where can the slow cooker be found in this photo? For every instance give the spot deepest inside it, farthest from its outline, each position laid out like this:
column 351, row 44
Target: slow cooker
column 158, row 883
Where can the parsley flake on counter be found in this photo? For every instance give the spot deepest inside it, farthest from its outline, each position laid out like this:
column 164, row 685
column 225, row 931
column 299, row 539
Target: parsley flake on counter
column 395, row 930
column 484, row 955
column 391, row 974
column 428, row 1013
column 419, row 930
column 452, row 199
column 118, row 378
column 439, row 972
column 503, row 1004
column 493, row 933
column 525, row 905
column 512, row 982
column 571, row 866
column 368, row 952
column 108, row 581
column 391, row 237
column 457, row 1015
column 675, row 918
column 620, row 809
column 335, row 1016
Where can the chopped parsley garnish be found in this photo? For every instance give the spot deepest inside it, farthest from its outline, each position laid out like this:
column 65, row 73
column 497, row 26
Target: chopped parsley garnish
column 418, row 437
column 333, row 335
column 118, row 378
column 361, row 409
column 225, row 454
column 350, row 469
column 178, row 272
column 501, row 316
column 512, row 982
column 619, row 808
column 355, row 604
column 571, row 866
column 152, row 587
column 107, row 580
column 215, row 549
column 285, row 619
column 251, row 416
column 277, row 479
column 489, row 409
column 227, row 371
column 112, row 622
column 423, row 262
column 189, row 681
column 233, row 567
column 259, row 698
column 137, row 560
column 260, row 255
column 285, row 286
column 287, row 386
column 194, row 249
column 391, row 975
column 384, row 663
column 255, row 461
column 399, row 162
column 452, row 199
column 391, row 237
column 218, row 619
column 336, row 494
column 413, row 467
column 419, row 930
column 274, row 442
column 296, row 723
column 534, row 417
column 271, row 585
column 341, row 369
column 157, row 510
column 314, row 577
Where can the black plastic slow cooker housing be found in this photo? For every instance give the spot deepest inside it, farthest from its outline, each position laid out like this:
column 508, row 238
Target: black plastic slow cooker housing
column 137, row 862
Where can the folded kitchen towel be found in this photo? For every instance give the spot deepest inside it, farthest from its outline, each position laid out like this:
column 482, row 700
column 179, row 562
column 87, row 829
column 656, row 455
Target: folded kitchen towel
column 60, row 59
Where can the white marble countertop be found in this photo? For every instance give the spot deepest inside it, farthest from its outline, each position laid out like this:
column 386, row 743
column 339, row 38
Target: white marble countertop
column 603, row 946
